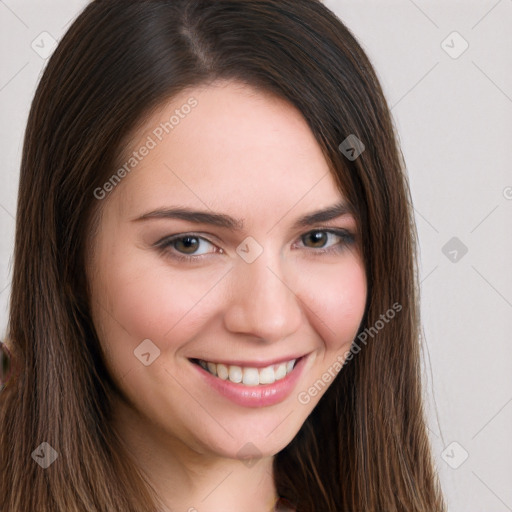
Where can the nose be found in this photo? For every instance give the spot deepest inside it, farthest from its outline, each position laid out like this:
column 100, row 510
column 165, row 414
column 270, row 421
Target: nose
column 262, row 303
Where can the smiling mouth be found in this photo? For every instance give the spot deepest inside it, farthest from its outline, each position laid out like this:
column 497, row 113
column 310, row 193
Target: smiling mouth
column 247, row 375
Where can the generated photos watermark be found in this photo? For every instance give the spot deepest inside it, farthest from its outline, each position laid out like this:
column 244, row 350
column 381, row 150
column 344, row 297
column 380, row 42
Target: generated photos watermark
column 304, row 397
column 152, row 141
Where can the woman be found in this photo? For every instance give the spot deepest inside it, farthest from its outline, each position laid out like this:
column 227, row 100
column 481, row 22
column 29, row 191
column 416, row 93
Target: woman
column 214, row 297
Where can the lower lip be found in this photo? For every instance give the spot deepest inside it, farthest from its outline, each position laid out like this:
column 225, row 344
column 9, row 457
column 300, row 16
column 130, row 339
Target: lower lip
column 255, row 396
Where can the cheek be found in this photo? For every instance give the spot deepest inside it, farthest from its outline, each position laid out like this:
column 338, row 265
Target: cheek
column 154, row 302
column 135, row 300
column 336, row 300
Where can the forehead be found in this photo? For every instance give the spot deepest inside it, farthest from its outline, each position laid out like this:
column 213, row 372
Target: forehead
column 237, row 148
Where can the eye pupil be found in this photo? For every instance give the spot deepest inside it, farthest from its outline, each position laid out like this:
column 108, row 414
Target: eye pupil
column 189, row 242
column 318, row 237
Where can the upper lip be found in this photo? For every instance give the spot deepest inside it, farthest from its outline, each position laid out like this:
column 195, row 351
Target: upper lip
column 250, row 364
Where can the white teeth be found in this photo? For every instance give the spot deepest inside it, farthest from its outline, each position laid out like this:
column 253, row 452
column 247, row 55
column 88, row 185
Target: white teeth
column 281, row 371
column 222, row 371
column 212, row 368
column 235, row 374
column 267, row 375
column 249, row 376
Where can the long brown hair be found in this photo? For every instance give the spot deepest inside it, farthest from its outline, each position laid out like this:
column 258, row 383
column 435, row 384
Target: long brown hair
column 365, row 446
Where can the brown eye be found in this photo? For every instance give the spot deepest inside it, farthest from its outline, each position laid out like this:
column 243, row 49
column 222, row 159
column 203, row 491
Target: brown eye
column 317, row 238
column 186, row 244
column 327, row 240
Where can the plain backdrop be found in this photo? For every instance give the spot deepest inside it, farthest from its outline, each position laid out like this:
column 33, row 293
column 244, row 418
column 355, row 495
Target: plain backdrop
column 446, row 71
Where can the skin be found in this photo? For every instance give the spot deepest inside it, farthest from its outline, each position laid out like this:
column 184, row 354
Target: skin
column 252, row 156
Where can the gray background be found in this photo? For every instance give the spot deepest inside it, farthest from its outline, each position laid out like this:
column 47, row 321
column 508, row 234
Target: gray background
column 452, row 109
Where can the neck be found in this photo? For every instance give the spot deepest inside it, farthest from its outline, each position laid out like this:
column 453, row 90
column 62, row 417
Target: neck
column 190, row 478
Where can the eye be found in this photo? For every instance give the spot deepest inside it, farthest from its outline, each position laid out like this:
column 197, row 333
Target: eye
column 192, row 247
column 186, row 247
column 319, row 239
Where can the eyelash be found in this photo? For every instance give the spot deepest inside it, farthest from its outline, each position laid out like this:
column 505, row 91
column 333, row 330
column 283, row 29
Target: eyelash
column 347, row 238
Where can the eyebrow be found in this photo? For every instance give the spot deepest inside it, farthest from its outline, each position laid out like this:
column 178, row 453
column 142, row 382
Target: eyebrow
column 225, row 221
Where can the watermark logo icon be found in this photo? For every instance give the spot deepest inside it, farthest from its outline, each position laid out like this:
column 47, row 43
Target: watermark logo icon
column 249, row 249
column 454, row 249
column 454, row 45
column 351, row 147
column 44, row 44
column 44, row 455
column 454, row 455
column 147, row 352
column 249, row 454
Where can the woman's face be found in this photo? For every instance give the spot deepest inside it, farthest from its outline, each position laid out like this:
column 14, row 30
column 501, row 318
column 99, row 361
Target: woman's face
column 249, row 282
